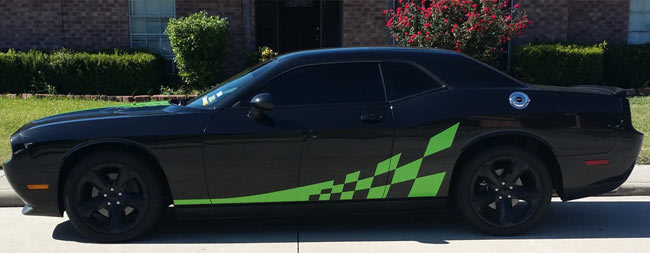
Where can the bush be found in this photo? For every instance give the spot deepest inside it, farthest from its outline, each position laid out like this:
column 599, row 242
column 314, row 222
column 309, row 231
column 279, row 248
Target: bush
column 479, row 28
column 199, row 43
column 262, row 54
column 627, row 66
column 68, row 72
column 560, row 64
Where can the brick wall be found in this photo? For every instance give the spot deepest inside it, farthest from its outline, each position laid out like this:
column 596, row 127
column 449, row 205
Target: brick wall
column 363, row 23
column 231, row 9
column 43, row 24
column 576, row 20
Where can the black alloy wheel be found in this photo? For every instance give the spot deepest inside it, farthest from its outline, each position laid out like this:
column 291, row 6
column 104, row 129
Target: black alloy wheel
column 113, row 196
column 503, row 191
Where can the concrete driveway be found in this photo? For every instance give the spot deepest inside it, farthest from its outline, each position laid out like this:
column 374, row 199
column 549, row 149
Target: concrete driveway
column 599, row 224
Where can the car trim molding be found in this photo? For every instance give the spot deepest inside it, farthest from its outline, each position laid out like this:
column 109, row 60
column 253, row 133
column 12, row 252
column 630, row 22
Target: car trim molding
column 421, row 186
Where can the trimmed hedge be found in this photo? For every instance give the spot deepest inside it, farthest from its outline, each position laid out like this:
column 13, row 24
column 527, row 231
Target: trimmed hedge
column 560, row 64
column 627, row 66
column 68, row 72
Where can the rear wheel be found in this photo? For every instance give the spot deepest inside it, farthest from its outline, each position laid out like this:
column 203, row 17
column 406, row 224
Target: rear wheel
column 113, row 196
column 503, row 191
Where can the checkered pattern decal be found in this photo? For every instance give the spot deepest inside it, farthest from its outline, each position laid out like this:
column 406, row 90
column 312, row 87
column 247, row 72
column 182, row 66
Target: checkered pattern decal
column 420, row 186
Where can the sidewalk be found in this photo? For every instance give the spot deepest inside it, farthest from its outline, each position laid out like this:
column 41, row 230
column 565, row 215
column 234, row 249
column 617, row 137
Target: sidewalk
column 638, row 184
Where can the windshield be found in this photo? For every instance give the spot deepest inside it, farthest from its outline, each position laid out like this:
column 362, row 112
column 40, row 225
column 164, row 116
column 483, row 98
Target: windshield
column 217, row 95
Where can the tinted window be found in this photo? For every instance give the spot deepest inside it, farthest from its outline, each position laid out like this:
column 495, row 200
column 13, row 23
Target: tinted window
column 403, row 79
column 460, row 71
column 325, row 84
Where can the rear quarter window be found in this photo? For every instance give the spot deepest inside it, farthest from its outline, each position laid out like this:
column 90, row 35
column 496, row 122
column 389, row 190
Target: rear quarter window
column 463, row 72
column 404, row 79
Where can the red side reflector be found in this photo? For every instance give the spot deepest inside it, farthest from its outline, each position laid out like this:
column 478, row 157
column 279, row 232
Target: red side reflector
column 597, row 162
column 38, row 186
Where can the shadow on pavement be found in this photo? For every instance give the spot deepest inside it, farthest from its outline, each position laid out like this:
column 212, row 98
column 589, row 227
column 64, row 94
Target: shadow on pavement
column 564, row 220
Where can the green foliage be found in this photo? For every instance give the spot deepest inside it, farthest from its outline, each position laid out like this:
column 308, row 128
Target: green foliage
column 640, row 107
column 68, row 72
column 199, row 43
column 560, row 64
column 478, row 28
column 627, row 66
column 262, row 54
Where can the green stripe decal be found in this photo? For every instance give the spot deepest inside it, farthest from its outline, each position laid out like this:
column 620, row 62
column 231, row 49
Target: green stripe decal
column 421, row 186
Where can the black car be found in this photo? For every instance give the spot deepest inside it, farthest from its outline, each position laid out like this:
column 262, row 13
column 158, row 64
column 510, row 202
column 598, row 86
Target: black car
column 361, row 129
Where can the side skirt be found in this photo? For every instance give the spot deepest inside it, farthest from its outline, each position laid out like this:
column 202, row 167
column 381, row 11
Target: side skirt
column 329, row 208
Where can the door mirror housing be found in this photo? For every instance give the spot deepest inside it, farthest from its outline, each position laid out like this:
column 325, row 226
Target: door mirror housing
column 262, row 101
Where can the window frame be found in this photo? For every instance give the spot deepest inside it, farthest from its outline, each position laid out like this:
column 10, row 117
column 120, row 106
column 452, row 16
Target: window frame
column 237, row 102
column 146, row 35
column 443, row 84
column 640, row 12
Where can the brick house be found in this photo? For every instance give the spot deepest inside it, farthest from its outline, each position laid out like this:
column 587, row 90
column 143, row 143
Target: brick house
column 285, row 25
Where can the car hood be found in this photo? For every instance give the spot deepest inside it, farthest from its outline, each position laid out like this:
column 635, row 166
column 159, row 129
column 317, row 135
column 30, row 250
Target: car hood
column 141, row 109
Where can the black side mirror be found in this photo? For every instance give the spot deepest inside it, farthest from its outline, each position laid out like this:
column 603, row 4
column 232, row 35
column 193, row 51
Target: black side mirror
column 263, row 101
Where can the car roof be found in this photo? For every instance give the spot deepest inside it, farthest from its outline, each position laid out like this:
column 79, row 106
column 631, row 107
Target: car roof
column 359, row 54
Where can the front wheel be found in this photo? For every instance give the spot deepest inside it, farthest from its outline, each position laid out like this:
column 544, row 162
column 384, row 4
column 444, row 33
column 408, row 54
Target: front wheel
column 503, row 191
column 113, row 196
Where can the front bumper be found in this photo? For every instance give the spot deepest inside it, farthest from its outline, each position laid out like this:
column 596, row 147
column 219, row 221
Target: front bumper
column 20, row 172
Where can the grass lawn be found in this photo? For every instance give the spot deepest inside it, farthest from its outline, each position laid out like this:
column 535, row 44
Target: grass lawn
column 640, row 107
column 14, row 113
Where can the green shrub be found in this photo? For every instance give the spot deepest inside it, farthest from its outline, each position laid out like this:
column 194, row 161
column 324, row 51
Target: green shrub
column 560, row 64
column 68, row 72
column 199, row 43
column 627, row 66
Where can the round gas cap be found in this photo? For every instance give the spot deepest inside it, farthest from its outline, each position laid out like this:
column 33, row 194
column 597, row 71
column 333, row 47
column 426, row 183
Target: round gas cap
column 519, row 100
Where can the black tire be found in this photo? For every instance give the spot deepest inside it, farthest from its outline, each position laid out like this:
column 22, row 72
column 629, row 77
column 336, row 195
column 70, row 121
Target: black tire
column 113, row 197
column 508, row 201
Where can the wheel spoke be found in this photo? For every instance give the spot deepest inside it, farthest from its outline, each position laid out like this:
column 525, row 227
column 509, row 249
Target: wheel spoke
column 525, row 194
column 488, row 173
column 88, row 207
column 515, row 171
column 116, row 218
column 96, row 178
column 124, row 176
column 134, row 200
column 506, row 217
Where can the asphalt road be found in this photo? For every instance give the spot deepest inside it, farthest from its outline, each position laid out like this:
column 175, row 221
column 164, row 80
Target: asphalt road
column 601, row 224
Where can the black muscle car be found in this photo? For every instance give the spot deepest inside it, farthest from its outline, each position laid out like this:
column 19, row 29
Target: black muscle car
column 359, row 129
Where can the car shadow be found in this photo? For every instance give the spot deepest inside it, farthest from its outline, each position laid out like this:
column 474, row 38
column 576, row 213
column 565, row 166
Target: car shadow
column 564, row 220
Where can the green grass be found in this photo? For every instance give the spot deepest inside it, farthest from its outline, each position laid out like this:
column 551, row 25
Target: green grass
column 14, row 113
column 640, row 107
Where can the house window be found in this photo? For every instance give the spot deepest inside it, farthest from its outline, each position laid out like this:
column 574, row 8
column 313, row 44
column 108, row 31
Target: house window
column 148, row 20
column 639, row 22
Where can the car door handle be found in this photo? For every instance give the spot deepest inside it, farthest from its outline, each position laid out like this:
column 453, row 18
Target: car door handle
column 372, row 117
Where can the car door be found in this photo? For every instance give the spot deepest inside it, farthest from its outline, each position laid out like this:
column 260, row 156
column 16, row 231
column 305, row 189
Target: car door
column 347, row 126
column 423, row 131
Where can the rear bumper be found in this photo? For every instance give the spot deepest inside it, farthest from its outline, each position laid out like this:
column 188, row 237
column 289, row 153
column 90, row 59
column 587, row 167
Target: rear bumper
column 43, row 202
column 580, row 180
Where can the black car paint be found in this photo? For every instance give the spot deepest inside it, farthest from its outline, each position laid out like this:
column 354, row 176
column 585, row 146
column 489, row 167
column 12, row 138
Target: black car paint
column 219, row 152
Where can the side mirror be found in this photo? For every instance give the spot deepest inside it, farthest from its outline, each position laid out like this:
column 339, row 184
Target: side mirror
column 263, row 101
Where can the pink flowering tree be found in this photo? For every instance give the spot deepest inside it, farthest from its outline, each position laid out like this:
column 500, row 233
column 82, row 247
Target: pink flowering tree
column 479, row 28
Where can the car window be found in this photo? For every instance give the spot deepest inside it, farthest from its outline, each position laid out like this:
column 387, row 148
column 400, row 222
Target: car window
column 325, row 84
column 463, row 72
column 404, row 79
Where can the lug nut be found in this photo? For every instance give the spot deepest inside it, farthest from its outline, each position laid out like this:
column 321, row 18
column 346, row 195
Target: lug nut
column 500, row 197
column 508, row 197
column 120, row 194
column 511, row 187
column 112, row 189
column 109, row 203
column 503, row 183
column 117, row 202
column 496, row 189
column 105, row 195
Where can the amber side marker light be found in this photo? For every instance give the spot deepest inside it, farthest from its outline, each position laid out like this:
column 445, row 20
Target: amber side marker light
column 597, row 162
column 38, row 186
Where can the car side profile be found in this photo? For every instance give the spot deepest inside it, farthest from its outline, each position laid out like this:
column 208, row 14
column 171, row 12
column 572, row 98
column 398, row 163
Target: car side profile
column 354, row 129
